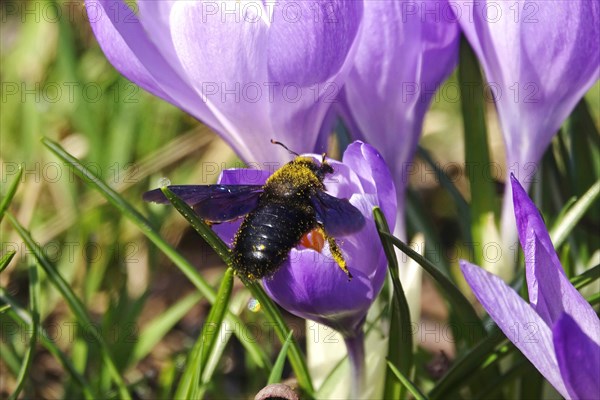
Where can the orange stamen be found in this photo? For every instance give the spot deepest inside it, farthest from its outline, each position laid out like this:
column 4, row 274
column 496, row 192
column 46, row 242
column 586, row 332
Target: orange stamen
column 313, row 240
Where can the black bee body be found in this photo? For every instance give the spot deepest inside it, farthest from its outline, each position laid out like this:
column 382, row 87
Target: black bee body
column 292, row 203
column 268, row 234
column 284, row 214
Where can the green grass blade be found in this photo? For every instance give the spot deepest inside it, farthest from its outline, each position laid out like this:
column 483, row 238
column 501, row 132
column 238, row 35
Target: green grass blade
column 195, row 388
column 582, row 136
column 236, row 305
column 467, row 365
column 216, row 315
column 534, row 387
column 135, row 216
column 12, row 189
column 561, row 230
column 565, row 208
column 271, row 311
column 34, row 296
column 10, row 358
column 277, row 371
column 400, row 349
column 464, row 213
column 6, row 259
column 330, row 380
column 420, row 221
column 484, row 207
column 462, row 306
column 475, row 332
column 256, row 352
column 74, row 304
column 199, row 225
column 490, row 363
column 193, row 366
column 190, row 380
column 166, row 378
column 408, row 384
column 586, row 277
column 502, row 381
column 22, row 317
column 156, row 329
column 295, row 355
column 593, row 299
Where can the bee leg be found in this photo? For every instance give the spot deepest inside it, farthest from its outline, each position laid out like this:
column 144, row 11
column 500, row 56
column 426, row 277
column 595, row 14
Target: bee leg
column 336, row 253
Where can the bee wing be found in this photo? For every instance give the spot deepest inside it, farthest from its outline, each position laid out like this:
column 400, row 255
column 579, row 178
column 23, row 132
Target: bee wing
column 216, row 203
column 338, row 216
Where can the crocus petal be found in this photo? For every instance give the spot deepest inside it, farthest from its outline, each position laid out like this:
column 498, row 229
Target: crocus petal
column 116, row 48
column 155, row 19
column 127, row 46
column 312, row 286
column 556, row 295
column 515, row 43
column 238, row 63
column 529, row 220
column 344, row 182
column 224, row 54
column 578, row 359
column 230, row 64
column 327, row 30
column 312, row 71
column 517, row 319
column 544, row 283
column 402, row 57
column 355, row 245
column 374, row 175
column 550, row 291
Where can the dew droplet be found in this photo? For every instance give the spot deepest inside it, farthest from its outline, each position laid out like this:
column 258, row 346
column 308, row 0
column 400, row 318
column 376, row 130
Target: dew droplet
column 164, row 181
column 254, row 305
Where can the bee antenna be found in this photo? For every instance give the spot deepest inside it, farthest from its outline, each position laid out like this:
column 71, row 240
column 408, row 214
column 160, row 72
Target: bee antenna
column 284, row 146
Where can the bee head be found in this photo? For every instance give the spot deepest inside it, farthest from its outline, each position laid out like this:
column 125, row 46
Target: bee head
column 324, row 169
column 318, row 170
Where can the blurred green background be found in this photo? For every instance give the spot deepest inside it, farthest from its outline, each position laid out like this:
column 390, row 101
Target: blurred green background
column 56, row 83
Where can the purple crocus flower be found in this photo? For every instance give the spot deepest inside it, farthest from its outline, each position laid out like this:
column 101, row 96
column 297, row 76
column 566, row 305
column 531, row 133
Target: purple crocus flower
column 540, row 58
column 309, row 284
column 406, row 49
column 249, row 69
column 558, row 331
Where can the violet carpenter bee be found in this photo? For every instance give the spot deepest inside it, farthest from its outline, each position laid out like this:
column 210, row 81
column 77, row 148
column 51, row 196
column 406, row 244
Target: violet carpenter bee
column 278, row 215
